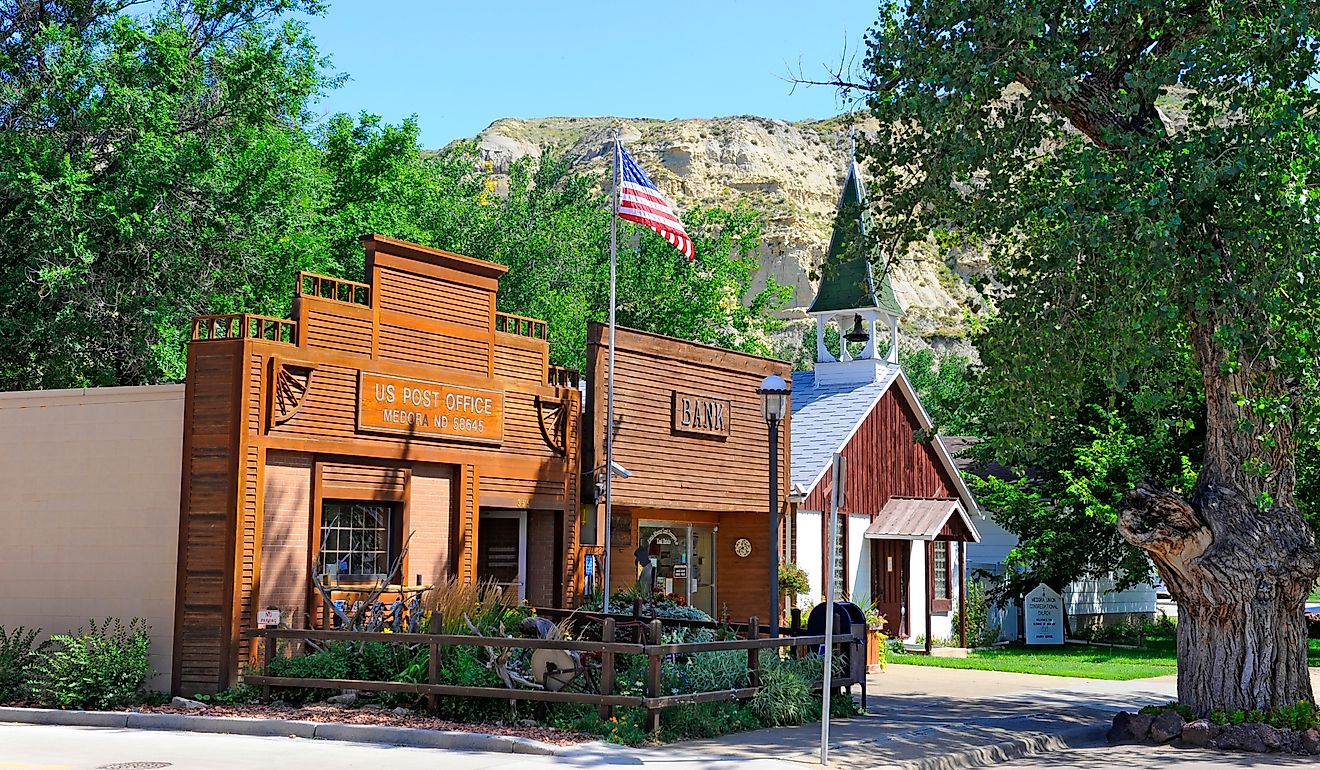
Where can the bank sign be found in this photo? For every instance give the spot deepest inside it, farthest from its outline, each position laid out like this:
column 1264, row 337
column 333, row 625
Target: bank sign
column 431, row 409
column 701, row 415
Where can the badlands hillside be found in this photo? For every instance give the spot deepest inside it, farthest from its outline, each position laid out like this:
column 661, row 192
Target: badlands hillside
column 791, row 172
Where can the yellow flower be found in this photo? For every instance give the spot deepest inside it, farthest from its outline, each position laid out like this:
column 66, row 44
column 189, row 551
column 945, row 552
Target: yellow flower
column 387, row 631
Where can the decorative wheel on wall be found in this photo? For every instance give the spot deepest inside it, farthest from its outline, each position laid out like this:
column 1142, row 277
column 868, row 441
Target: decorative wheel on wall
column 743, row 547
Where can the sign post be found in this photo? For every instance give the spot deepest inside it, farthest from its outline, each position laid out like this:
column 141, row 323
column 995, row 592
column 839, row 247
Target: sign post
column 836, row 501
column 1044, row 616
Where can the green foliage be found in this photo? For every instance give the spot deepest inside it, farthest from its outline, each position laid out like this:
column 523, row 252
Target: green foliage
column 980, row 631
column 238, row 695
column 1301, row 716
column 104, row 666
column 19, row 655
column 1133, row 632
column 786, row 696
column 153, row 166
column 1065, row 510
column 161, row 163
column 1183, row 711
column 659, row 603
column 793, row 581
column 945, row 386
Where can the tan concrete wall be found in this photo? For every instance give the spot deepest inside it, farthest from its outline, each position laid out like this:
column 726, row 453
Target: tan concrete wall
column 89, row 508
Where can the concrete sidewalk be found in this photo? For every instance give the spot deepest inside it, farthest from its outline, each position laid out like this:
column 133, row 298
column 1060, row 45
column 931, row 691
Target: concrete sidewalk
column 922, row 717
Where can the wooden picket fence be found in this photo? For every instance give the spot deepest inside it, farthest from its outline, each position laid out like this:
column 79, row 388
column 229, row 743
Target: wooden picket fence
column 605, row 698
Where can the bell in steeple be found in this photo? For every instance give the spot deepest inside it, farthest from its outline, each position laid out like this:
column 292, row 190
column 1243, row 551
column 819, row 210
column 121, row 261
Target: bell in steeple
column 850, row 297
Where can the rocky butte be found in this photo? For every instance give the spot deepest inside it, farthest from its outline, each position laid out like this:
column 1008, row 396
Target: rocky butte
column 790, row 172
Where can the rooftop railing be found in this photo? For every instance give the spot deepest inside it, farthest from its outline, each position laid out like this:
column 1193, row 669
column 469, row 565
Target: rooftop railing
column 337, row 289
column 520, row 325
column 244, row 326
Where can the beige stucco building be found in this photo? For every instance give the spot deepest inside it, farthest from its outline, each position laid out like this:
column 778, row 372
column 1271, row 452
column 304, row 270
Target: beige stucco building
column 89, row 498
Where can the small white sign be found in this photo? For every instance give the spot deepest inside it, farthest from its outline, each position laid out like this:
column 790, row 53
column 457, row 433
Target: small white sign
column 268, row 618
column 1044, row 616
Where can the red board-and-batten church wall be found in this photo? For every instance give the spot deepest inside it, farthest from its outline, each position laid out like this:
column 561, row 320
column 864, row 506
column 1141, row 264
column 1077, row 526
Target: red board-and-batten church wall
column 272, row 428
column 884, row 461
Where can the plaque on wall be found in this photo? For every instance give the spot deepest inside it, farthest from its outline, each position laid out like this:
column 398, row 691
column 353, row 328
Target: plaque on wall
column 701, row 415
column 621, row 530
column 417, row 407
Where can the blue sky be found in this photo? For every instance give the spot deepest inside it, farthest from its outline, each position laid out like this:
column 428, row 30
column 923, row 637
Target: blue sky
column 461, row 65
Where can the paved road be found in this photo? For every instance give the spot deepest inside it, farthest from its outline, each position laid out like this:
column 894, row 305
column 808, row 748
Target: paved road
column 44, row 747
column 1151, row 758
column 914, row 713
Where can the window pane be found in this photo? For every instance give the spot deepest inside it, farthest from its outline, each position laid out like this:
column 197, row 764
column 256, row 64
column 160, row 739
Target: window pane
column 355, row 539
column 941, row 568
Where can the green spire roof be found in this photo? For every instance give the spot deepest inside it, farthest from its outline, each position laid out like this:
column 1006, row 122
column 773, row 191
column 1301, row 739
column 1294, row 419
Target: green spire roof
column 847, row 281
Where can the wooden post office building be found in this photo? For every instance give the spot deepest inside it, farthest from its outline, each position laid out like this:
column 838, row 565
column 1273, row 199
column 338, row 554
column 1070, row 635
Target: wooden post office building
column 402, row 407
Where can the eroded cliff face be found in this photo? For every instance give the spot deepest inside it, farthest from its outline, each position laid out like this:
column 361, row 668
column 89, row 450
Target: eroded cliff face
column 791, row 172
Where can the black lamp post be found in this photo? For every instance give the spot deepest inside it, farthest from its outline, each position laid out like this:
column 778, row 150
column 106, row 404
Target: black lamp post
column 774, row 394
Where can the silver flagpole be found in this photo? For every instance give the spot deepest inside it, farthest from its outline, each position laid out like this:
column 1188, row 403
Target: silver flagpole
column 609, row 378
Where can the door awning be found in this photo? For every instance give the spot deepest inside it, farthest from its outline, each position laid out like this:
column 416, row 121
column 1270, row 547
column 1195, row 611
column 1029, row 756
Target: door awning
column 923, row 518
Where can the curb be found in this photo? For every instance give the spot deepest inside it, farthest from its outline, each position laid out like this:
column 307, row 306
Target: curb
column 333, row 731
column 1016, row 748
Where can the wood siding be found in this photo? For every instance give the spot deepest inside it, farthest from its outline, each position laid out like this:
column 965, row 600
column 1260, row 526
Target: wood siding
column 715, row 474
column 884, row 461
column 249, row 522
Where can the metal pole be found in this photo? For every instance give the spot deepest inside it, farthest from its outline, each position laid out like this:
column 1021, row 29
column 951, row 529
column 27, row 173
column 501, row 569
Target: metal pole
column 609, row 377
column 836, row 498
column 774, row 527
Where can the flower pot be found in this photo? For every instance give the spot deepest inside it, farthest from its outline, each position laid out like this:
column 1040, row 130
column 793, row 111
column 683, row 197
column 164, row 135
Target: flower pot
column 875, row 641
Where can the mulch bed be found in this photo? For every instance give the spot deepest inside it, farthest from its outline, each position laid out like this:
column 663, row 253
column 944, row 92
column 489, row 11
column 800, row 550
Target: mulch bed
column 322, row 712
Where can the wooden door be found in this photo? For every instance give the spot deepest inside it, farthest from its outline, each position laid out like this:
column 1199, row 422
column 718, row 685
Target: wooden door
column 889, row 582
column 499, row 550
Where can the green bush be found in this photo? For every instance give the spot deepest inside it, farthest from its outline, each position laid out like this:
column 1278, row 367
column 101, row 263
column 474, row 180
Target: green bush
column 786, row 696
column 102, row 667
column 19, row 655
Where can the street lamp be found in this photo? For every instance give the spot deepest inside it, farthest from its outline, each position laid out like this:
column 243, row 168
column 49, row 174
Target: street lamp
column 774, row 395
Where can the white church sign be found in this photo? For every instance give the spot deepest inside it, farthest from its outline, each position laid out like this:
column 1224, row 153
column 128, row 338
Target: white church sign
column 1044, row 616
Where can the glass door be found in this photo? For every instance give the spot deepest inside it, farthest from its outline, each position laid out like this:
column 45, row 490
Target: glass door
column 682, row 561
column 702, row 585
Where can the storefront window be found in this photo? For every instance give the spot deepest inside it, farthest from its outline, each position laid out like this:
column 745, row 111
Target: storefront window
column 355, row 540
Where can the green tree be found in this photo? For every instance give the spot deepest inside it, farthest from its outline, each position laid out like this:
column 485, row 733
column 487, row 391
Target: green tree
column 945, row 385
column 151, row 165
column 1144, row 175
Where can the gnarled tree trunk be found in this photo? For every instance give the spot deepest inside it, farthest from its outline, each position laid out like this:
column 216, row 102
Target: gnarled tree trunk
column 1237, row 557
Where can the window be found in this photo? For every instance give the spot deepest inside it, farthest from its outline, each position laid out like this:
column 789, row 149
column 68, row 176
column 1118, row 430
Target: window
column 941, row 577
column 356, row 540
column 840, row 577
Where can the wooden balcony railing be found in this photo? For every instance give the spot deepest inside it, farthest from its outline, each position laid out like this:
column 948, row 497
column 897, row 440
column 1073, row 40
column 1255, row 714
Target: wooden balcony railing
column 337, row 289
column 520, row 325
column 244, row 326
column 563, row 377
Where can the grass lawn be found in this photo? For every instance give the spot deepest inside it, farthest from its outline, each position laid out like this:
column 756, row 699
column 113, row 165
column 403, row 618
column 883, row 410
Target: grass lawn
column 1090, row 662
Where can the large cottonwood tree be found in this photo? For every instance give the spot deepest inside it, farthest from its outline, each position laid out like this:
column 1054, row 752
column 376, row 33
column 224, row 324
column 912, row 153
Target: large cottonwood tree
column 1146, row 176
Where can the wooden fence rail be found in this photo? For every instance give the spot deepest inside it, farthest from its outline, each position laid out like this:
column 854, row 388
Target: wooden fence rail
column 606, row 699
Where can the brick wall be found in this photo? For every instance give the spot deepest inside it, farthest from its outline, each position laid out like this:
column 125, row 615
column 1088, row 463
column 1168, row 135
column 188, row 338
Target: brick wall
column 430, row 510
column 286, row 519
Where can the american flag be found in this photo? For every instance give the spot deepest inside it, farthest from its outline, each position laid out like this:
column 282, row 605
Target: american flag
column 640, row 201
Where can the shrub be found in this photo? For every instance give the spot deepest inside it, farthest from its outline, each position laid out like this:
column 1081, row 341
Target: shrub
column 980, row 631
column 102, row 667
column 785, row 696
column 486, row 604
column 19, row 655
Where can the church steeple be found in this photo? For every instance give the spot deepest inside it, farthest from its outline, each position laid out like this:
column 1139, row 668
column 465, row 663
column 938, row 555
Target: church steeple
column 849, row 294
